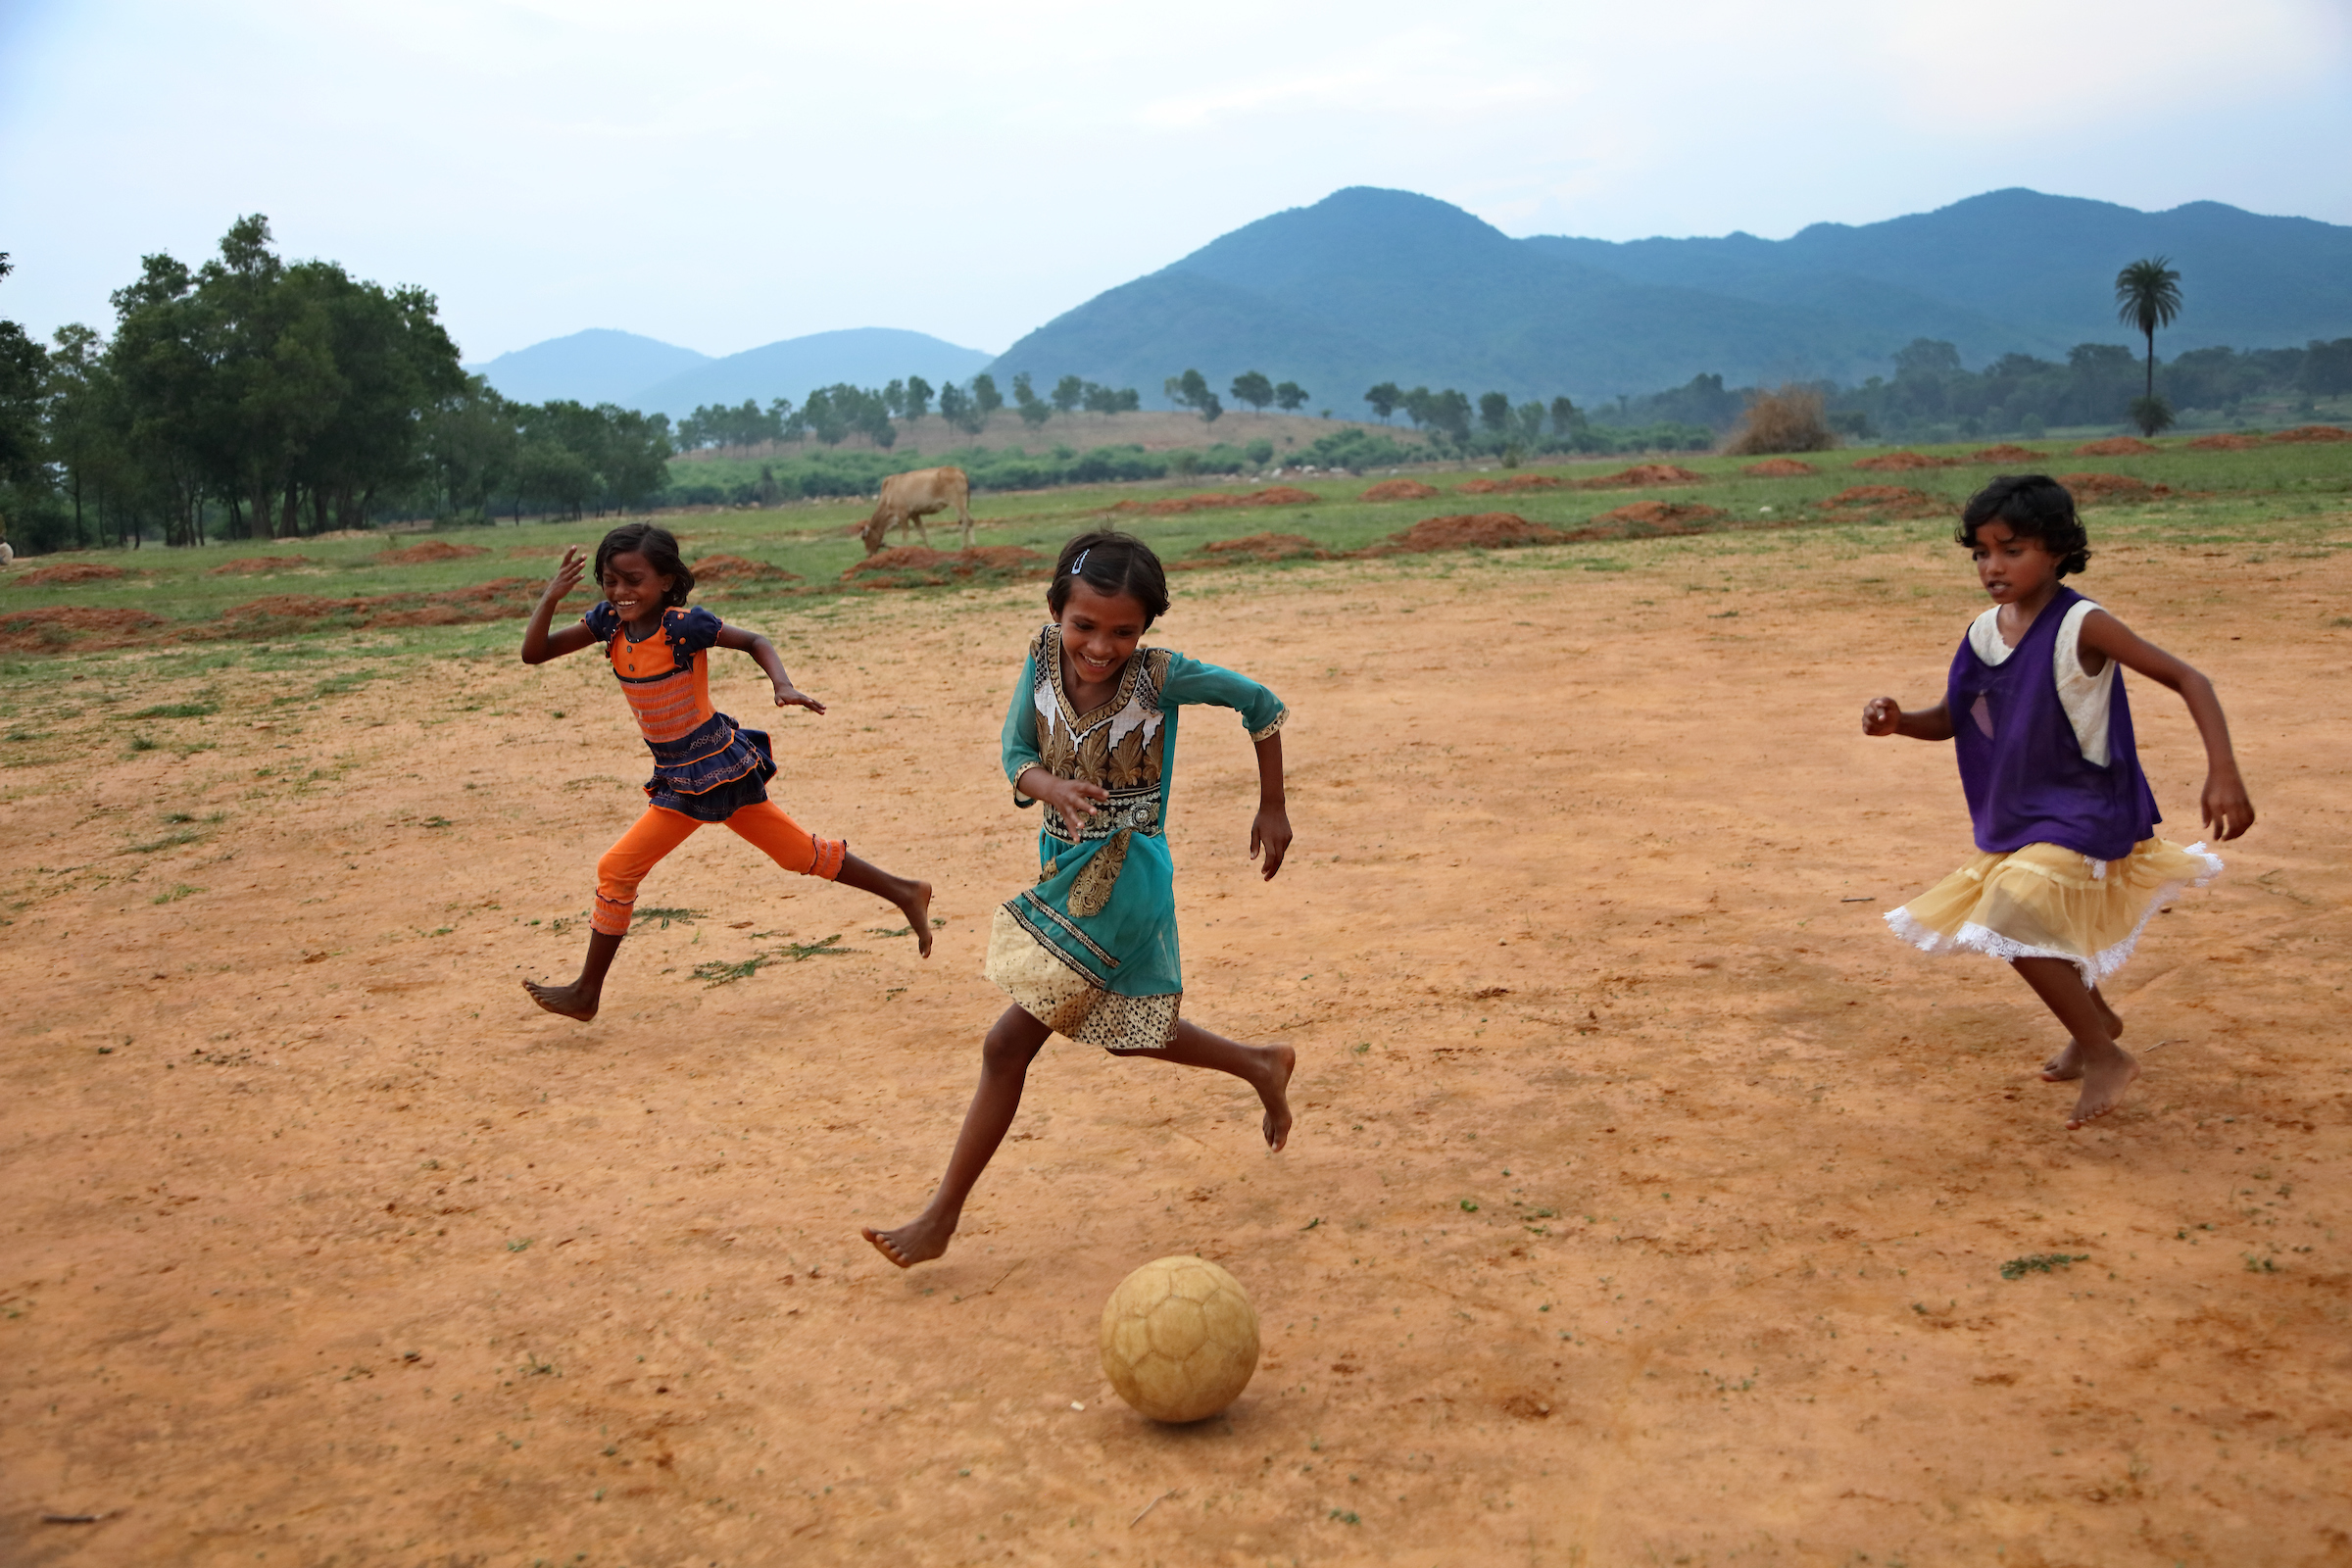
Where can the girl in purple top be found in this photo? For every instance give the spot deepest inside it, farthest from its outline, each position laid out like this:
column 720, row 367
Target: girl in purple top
column 2069, row 868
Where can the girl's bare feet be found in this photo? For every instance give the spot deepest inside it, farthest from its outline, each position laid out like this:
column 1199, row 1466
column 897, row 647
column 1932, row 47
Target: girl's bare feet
column 2067, row 1065
column 918, row 1241
column 2105, row 1077
column 916, row 907
column 574, row 1001
column 1273, row 1084
column 912, row 897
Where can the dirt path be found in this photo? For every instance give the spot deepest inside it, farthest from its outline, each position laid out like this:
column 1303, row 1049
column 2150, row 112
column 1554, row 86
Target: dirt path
column 1647, row 1202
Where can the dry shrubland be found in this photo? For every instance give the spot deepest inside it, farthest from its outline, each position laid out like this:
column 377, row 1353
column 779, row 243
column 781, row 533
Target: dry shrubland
column 1791, row 420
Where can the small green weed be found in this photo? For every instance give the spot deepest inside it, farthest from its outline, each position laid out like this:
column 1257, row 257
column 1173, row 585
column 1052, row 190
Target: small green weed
column 178, row 892
column 2017, row 1268
column 177, row 710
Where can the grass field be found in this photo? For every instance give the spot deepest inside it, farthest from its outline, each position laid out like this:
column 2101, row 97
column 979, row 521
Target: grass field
column 1647, row 1202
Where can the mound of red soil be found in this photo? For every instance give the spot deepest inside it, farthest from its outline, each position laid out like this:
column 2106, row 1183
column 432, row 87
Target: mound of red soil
column 258, row 565
column 738, row 569
column 57, row 627
column 915, row 567
column 1652, row 516
column 1281, row 495
column 2118, row 446
column 1476, row 531
column 1905, row 463
column 429, row 552
column 1256, row 546
column 1515, row 484
column 2315, row 433
column 1882, row 501
column 2097, row 487
column 1779, row 468
column 2006, row 452
column 287, row 614
column 66, row 572
column 2225, row 442
column 1399, row 490
column 1641, row 475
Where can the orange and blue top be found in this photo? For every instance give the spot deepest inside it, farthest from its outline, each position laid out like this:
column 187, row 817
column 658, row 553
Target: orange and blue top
column 704, row 765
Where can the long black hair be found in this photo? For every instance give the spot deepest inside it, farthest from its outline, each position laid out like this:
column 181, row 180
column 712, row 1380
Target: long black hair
column 657, row 546
column 1113, row 564
column 2035, row 505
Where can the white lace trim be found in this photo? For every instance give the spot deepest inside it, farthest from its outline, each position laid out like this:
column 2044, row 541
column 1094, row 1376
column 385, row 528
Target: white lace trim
column 1975, row 938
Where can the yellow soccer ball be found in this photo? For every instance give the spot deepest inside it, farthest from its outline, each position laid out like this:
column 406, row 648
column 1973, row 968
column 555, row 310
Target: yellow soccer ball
column 1179, row 1338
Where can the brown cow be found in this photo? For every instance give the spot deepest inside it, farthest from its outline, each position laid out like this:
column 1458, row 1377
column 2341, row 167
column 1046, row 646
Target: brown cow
column 910, row 497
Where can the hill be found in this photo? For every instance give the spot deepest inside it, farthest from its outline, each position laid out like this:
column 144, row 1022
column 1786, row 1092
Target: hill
column 598, row 366
column 601, row 366
column 1371, row 285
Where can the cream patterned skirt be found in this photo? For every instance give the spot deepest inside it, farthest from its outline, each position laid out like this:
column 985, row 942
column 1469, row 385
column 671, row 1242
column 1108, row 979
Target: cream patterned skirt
column 2044, row 902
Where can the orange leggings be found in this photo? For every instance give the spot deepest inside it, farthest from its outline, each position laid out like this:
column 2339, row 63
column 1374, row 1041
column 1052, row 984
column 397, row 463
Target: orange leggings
column 657, row 832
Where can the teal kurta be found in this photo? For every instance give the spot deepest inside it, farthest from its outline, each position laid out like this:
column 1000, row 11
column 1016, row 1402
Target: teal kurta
column 1091, row 949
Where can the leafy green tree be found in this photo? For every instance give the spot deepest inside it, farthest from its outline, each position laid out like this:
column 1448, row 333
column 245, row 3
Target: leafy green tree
column 2147, row 296
column 1252, row 388
column 1526, row 423
column 918, row 397
column 473, row 441
column 22, row 363
column 1288, row 396
column 1386, row 400
column 956, row 406
column 828, row 421
column 1495, row 410
column 893, row 398
column 1566, row 417
column 1191, row 391
column 1109, row 400
column 986, row 400
column 1069, row 393
column 1033, row 410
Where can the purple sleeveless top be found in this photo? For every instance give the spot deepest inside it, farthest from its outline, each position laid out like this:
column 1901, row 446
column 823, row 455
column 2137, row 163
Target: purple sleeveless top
column 2021, row 765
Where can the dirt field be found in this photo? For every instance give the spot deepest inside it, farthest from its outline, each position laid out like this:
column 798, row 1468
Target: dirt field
column 1154, row 430
column 1648, row 1203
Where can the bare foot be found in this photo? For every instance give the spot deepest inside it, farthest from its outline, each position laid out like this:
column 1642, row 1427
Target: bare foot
column 918, row 1241
column 572, row 1001
column 2067, row 1065
column 2103, row 1084
column 1273, row 1084
column 916, row 907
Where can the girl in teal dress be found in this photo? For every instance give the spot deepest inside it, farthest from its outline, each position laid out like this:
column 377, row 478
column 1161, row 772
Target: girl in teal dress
column 1090, row 950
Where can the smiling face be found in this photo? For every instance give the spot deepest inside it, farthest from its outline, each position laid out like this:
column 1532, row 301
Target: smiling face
column 1098, row 634
column 2014, row 570
column 633, row 587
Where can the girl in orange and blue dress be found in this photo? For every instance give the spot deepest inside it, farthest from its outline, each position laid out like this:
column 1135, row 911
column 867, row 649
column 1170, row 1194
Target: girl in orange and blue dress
column 706, row 769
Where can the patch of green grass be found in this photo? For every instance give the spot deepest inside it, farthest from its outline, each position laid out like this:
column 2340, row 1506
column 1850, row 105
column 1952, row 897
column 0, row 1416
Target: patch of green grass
column 170, row 840
column 2017, row 1268
column 178, row 892
column 669, row 912
column 720, row 972
column 177, row 710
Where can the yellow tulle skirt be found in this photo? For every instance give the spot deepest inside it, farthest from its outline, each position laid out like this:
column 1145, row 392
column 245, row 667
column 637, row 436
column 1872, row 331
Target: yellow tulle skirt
column 2044, row 902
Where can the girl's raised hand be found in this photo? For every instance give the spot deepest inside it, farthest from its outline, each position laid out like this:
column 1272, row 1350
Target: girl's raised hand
column 790, row 696
column 567, row 575
column 1880, row 716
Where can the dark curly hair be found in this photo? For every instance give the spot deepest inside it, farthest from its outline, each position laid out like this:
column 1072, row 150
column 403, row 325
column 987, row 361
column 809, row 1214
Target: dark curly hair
column 657, row 546
column 1113, row 564
column 2035, row 505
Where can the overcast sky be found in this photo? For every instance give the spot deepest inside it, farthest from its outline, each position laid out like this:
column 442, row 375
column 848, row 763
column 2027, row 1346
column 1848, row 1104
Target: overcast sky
column 726, row 173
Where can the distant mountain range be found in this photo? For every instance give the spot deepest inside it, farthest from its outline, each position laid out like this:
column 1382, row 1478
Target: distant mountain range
column 603, row 366
column 1370, row 285
column 1373, row 285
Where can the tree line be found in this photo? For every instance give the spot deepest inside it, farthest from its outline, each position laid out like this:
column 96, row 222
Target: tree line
column 833, row 414
column 251, row 397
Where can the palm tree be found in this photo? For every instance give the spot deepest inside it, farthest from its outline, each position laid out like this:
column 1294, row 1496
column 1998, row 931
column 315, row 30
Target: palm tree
column 2147, row 296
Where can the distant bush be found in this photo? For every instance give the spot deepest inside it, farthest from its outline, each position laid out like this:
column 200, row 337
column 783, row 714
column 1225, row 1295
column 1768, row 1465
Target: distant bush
column 1791, row 420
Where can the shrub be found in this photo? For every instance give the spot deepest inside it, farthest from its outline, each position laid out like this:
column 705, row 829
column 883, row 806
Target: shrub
column 1791, row 420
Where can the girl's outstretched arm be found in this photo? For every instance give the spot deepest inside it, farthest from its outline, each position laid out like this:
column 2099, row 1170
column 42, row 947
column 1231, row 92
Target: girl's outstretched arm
column 1884, row 716
column 763, row 654
column 1271, row 830
column 2227, row 810
column 538, row 646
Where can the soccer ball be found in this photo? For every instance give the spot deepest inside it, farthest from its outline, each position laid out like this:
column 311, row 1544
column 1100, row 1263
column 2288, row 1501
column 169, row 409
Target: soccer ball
column 1179, row 1338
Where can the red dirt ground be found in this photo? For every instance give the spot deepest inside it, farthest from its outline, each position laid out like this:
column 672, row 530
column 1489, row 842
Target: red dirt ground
column 2315, row 433
column 917, row 567
column 2119, row 446
column 1669, row 517
column 1476, row 530
column 738, row 569
column 1641, row 475
column 2006, row 452
column 1515, row 484
column 2228, row 441
column 1281, row 495
column 1905, row 463
column 429, row 552
column 68, row 572
column 259, row 566
column 1779, row 468
column 1399, row 490
column 2093, row 489
column 1254, row 547
column 59, row 627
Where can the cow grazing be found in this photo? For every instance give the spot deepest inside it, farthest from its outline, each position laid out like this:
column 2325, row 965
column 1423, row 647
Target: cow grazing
column 910, row 497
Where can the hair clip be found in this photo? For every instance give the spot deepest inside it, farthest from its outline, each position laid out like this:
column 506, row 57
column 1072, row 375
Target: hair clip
column 1079, row 565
